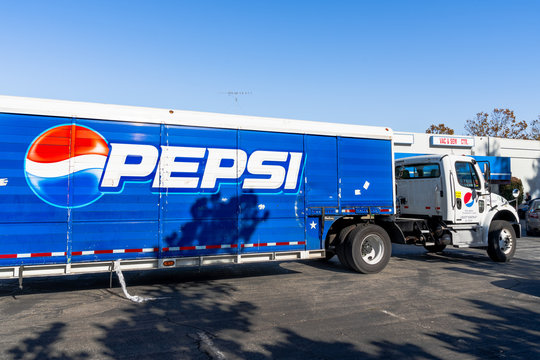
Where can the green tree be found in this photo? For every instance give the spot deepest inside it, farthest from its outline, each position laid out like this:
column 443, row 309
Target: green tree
column 439, row 129
column 500, row 123
column 506, row 189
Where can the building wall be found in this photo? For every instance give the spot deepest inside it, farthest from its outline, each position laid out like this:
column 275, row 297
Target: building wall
column 524, row 154
column 525, row 160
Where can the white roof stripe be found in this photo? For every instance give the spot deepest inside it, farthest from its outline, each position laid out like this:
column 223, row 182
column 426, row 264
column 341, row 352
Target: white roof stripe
column 62, row 108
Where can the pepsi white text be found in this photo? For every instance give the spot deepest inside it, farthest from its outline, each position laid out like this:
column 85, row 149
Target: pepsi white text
column 193, row 169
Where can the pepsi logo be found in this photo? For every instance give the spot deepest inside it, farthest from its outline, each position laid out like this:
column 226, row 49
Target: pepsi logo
column 66, row 157
column 468, row 199
column 71, row 166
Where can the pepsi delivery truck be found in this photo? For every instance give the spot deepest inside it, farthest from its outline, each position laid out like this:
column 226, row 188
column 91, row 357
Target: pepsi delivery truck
column 84, row 185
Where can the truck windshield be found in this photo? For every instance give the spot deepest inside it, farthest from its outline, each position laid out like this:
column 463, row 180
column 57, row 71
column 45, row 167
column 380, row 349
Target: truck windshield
column 466, row 175
column 418, row 171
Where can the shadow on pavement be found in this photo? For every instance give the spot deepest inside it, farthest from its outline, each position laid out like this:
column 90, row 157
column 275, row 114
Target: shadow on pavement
column 201, row 314
column 497, row 332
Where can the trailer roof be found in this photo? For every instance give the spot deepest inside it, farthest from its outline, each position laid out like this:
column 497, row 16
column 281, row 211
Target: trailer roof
column 84, row 110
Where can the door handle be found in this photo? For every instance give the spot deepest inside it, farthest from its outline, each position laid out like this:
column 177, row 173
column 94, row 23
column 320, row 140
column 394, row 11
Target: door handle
column 453, row 190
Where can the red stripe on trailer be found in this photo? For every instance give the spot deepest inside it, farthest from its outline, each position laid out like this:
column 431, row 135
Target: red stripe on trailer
column 213, row 246
column 103, row 252
column 226, row 246
column 109, row 251
column 165, row 249
column 41, row 254
column 45, row 254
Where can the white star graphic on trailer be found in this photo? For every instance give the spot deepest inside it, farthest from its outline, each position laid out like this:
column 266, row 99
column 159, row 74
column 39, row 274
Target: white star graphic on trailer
column 313, row 225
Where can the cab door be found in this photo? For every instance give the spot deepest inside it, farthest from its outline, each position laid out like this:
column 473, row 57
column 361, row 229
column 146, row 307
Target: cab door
column 467, row 189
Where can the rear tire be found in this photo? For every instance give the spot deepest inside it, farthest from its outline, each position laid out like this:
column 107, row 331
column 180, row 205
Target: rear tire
column 501, row 241
column 340, row 245
column 368, row 249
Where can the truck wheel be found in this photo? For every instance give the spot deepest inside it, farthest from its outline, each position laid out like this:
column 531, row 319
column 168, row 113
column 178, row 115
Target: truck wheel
column 435, row 248
column 340, row 245
column 501, row 241
column 368, row 249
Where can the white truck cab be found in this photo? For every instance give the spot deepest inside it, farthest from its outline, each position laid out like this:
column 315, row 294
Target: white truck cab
column 450, row 197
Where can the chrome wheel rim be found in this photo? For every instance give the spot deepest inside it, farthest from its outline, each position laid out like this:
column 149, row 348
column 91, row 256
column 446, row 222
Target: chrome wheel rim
column 372, row 249
column 506, row 242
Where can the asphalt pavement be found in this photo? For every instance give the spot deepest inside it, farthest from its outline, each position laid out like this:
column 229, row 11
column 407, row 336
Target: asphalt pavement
column 454, row 305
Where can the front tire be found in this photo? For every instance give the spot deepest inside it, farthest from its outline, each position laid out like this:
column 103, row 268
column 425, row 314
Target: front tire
column 501, row 241
column 368, row 249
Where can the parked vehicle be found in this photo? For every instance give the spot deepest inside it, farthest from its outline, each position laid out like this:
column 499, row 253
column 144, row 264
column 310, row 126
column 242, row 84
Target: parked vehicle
column 532, row 221
column 524, row 207
column 85, row 185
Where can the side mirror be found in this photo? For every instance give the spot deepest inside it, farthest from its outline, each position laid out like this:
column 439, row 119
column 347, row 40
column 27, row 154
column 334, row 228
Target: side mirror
column 515, row 193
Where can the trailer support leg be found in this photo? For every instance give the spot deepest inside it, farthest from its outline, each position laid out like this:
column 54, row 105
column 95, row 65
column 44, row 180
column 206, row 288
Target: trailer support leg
column 110, row 274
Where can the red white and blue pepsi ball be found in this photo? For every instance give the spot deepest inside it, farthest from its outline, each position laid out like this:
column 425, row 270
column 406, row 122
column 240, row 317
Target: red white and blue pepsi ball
column 64, row 158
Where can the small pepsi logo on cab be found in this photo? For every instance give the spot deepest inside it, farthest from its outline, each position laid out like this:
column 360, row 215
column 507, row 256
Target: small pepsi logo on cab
column 64, row 154
column 468, row 199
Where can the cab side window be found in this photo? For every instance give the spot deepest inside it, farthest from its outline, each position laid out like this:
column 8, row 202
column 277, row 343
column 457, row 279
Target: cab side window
column 467, row 176
column 418, row 171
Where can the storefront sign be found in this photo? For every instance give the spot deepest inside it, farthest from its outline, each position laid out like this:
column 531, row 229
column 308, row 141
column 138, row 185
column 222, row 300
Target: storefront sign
column 452, row 141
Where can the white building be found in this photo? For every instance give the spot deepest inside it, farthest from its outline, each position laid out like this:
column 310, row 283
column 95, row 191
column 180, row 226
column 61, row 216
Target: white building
column 507, row 157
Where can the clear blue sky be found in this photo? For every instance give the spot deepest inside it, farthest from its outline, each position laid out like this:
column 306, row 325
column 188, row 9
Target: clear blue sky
column 403, row 64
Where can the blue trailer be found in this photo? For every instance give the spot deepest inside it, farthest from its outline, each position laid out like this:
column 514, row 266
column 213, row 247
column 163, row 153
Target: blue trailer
column 83, row 185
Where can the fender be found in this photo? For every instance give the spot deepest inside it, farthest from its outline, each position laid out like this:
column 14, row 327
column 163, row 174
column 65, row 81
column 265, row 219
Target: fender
column 501, row 212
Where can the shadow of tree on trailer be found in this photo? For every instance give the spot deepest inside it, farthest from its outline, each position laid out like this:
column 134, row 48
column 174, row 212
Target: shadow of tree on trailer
column 232, row 221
